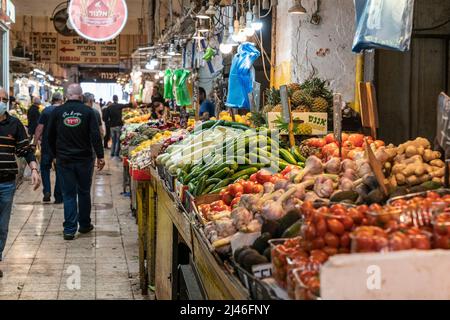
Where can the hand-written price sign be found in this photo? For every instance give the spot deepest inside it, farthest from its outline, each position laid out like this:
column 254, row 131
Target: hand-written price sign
column 76, row 50
column 45, row 47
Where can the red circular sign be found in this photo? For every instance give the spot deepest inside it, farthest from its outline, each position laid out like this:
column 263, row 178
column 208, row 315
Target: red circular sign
column 98, row 20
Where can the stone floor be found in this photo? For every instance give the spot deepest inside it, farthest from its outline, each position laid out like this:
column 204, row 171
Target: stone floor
column 39, row 264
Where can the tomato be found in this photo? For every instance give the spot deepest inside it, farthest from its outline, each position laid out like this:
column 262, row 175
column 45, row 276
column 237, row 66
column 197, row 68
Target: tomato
column 331, row 240
column 263, row 176
column 330, row 138
column 330, row 251
column 363, row 243
column 235, row 202
column 318, row 243
column 227, row 198
column 236, row 188
column 217, row 206
column 309, row 232
column 287, row 170
column 257, row 188
column 420, row 242
column 335, row 226
column 321, row 143
column 337, row 208
column 347, row 222
column 399, row 241
column 204, row 209
column 356, row 215
column 319, row 256
column 330, row 149
column 344, row 241
column 376, row 207
column 343, row 250
column 248, row 186
column 321, row 227
column 253, row 177
column 348, row 144
column 356, row 139
column 442, row 242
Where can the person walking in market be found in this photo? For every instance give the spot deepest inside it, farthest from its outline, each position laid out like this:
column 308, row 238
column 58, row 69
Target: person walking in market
column 107, row 126
column 89, row 100
column 33, row 115
column 47, row 157
column 207, row 108
column 74, row 136
column 13, row 142
column 113, row 115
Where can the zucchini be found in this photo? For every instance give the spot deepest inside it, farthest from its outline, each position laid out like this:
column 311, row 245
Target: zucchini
column 222, row 173
column 286, row 155
column 222, row 184
column 200, row 186
column 192, row 175
column 216, row 190
column 191, row 187
column 298, row 156
column 212, row 181
column 241, row 178
column 208, row 189
column 283, row 164
column 246, row 172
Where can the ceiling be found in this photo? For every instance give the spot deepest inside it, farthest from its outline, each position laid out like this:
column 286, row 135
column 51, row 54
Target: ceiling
column 45, row 7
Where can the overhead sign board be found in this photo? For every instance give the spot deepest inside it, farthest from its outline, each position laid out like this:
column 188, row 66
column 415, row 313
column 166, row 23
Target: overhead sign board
column 76, row 50
column 45, row 47
column 98, row 20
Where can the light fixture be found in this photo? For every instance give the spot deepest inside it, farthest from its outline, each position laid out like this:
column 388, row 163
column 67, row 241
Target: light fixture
column 297, row 8
column 229, row 38
column 157, row 76
column 256, row 23
column 225, row 48
column 154, row 61
column 202, row 14
column 211, row 10
column 149, row 66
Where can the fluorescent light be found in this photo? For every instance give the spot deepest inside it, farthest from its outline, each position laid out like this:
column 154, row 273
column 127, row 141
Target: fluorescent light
column 202, row 14
column 225, row 48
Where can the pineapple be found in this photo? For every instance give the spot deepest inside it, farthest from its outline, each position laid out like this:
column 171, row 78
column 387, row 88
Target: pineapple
column 319, row 105
column 278, row 108
column 304, row 129
column 300, row 97
column 292, row 87
column 267, row 108
column 302, row 108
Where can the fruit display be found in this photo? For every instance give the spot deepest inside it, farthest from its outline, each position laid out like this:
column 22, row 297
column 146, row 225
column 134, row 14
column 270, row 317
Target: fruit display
column 242, row 119
column 441, row 229
column 307, row 282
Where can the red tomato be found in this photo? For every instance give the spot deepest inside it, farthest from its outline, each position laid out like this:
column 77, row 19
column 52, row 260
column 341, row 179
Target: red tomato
column 263, row 176
column 248, row 186
column 235, row 202
column 286, row 170
column 321, row 143
column 227, row 198
column 330, row 149
column 356, row 139
column 344, row 241
column 253, row 177
column 309, row 232
column 257, row 188
column 219, row 205
column 330, row 138
column 235, row 189
column 335, row 226
column 330, row 251
column 347, row 222
column 331, row 240
column 319, row 256
column 318, row 243
column 321, row 227
column 344, row 137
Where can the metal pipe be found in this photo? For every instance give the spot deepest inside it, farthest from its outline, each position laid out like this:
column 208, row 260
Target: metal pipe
column 359, row 77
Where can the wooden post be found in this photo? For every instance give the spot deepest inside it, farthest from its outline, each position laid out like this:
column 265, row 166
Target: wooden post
column 359, row 77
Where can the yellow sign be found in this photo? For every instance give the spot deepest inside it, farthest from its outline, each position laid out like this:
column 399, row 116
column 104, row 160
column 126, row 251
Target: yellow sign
column 76, row 50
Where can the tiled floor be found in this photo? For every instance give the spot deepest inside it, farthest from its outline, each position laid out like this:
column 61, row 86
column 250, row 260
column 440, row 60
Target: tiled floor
column 39, row 264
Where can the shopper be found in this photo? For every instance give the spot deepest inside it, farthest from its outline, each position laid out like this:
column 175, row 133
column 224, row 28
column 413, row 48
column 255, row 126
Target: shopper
column 158, row 111
column 101, row 103
column 156, row 96
column 107, row 126
column 47, row 157
column 89, row 100
column 113, row 115
column 13, row 142
column 207, row 108
column 33, row 115
column 73, row 135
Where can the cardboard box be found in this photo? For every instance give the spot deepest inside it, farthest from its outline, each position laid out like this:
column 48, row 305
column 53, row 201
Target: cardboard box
column 318, row 121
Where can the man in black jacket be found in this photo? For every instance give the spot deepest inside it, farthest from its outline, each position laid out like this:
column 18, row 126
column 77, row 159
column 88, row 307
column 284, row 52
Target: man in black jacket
column 13, row 142
column 33, row 115
column 113, row 116
column 73, row 135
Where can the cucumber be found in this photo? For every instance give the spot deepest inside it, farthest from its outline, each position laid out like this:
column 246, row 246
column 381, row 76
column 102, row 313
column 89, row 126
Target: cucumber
column 297, row 155
column 246, row 172
column 283, row 164
column 208, row 189
column 286, row 155
column 216, row 190
column 222, row 173
column 222, row 184
column 192, row 175
column 191, row 187
column 213, row 181
column 241, row 178
column 200, row 186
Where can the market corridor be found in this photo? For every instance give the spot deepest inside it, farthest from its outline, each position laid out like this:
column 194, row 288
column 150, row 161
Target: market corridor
column 39, row 264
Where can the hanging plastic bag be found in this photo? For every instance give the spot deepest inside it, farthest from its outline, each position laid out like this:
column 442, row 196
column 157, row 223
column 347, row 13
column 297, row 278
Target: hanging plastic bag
column 181, row 90
column 168, row 84
column 242, row 76
column 383, row 24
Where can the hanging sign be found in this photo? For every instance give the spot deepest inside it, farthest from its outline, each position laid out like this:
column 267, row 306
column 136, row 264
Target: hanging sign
column 45, row 47
column 76, row 50
column 98, row 20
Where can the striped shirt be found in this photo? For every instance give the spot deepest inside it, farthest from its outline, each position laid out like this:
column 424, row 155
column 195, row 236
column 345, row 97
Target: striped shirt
column 13, row 142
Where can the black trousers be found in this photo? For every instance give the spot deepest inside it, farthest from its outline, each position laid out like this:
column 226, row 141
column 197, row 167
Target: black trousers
column 107, row 136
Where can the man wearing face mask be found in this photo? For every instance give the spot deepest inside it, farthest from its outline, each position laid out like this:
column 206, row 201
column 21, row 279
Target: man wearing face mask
column 13, row 142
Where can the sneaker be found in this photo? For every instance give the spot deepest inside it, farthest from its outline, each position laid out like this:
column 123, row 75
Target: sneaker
column 47, row 197
column 86, row 230
column 69, row 236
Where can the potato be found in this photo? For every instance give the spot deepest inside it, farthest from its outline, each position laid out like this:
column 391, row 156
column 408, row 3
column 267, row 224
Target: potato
column 401, row 179
column 420, row 151
column 438, row 173
column 398, row 168
column 437, row 163
column 414, row 159
column 419, row 170
column 437, row 180
column 411, row 151
column 425, row 178
column 409, row 170
column 412, row 180
column 393, row 182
